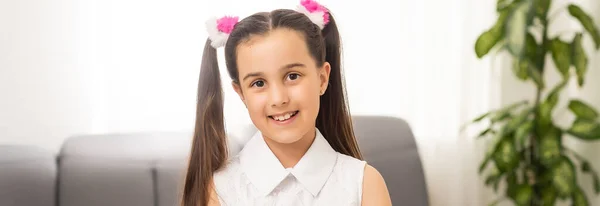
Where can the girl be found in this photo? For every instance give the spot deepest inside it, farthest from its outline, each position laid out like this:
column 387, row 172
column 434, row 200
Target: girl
column 285, row 66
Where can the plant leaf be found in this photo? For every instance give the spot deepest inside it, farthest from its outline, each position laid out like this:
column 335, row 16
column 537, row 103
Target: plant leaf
column 486, row 41
column 496, row 184
column 548, row 195
column 485, row 132
column 596, row 182
column 522, row 133
column 550, row 147
column 484, row 163
column 524, row 67
column 490, row 179
column 536, row 76
column 477, row 119
column 563, row 177
column 586, row 21
column 553, row 95
column 496, row 117
column 494, row 178
column 579, row 58
column 587, row 168
column 579, row 198
column 511, row 185
column 481, row 117
column 523, row 194
column 504, row 113
column 505, row 156
column 514, row 122
column 546, row 107
column 516, row 27
column 561, row 54
column 585, row 129
column 501, row 116
column 494, row 173
column 520, row 67
column 530, row 47
column 502, row 4
column 541, row 8
column 511, row 178
column 582, row 110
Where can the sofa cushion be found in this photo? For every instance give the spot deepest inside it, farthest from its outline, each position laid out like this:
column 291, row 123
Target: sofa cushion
column 97, row 182
column 170, row 176
column 27, row 176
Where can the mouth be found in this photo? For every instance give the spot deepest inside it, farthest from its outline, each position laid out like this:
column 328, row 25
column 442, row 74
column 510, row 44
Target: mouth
column 284, row 116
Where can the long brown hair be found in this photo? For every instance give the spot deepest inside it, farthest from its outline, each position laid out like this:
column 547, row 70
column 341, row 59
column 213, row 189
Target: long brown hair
column 209, row 149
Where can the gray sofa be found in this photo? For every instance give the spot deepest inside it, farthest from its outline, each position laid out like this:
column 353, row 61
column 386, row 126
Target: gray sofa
column 146, row 169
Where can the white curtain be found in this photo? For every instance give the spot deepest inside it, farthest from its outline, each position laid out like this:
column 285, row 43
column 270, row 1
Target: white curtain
column 72, row 67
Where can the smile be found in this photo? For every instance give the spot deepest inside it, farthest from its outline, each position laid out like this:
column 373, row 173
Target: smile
column 284, row 117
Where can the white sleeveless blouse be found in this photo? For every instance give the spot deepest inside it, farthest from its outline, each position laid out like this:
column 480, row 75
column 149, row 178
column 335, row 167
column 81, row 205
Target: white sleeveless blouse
column 321, row 177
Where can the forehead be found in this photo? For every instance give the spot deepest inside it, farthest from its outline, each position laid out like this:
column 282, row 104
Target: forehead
column 267, row 53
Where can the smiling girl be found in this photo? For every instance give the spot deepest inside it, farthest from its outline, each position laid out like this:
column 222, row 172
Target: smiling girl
column 285, row 66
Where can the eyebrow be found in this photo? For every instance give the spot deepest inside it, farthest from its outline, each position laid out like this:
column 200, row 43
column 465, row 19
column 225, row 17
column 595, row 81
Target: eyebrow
column 287, row 66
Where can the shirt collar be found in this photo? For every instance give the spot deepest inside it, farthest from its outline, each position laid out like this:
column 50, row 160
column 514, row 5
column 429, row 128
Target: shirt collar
column 265, row 172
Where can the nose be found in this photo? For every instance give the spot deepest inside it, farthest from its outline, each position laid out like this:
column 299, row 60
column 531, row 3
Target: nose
column 278, row 96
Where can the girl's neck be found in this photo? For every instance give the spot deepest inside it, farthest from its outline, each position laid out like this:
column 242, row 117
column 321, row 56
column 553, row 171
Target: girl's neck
column 290, row 154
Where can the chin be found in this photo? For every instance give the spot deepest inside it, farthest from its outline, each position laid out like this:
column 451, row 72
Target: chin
column 288, row 133
column 285, row 137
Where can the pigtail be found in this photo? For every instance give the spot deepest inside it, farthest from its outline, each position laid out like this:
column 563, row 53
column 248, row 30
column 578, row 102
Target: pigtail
column 334, row 119
column 209, row 150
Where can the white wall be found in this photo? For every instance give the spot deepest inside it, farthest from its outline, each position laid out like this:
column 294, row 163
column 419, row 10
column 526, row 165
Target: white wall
column 118, row 66
column 41, row 75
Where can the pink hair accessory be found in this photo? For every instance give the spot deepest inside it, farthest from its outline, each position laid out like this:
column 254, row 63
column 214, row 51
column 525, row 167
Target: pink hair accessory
column 219, row 29
column 316, row 12
column 225, row 24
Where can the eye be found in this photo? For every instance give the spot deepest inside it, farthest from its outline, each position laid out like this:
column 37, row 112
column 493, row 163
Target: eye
column 293, row 76
column 258, row 83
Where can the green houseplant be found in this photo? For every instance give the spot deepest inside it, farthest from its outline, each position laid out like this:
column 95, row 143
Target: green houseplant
column 526, row 153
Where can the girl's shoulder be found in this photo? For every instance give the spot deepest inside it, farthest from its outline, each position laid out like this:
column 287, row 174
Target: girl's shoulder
column 228, row 179
column 231, row 168
column 345, row 181
column 351, row 164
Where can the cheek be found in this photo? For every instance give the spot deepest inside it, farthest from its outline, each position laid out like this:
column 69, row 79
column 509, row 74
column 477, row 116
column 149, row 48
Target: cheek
column 306, row 95
column 256, row 104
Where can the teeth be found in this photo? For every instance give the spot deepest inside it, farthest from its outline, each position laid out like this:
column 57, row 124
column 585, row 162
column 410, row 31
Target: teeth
column 283, row 117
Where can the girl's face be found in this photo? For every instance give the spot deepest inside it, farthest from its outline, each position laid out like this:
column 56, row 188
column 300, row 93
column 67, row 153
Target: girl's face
column 280, row 84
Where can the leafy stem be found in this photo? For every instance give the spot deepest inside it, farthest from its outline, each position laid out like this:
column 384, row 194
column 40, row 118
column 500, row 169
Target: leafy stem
column 527, row 147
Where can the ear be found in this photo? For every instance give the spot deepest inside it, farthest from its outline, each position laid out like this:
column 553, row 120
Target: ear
column 324, row 77
column 238, row 90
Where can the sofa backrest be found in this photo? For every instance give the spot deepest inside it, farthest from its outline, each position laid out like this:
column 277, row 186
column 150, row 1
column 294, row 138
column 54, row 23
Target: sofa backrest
column 388, row 145
column 147, row 169
column 140, row 169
